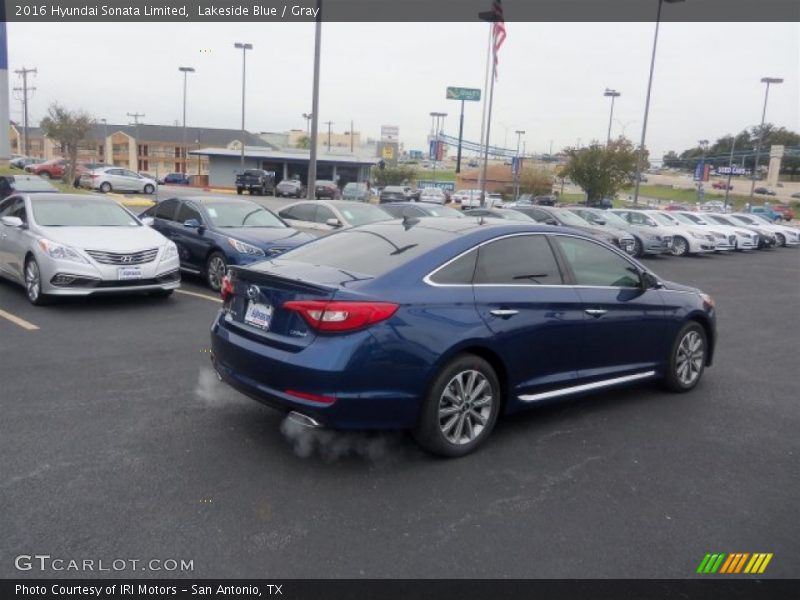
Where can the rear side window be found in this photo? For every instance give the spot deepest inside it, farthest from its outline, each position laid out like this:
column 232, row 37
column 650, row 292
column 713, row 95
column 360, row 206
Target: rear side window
column 458, row 272
column 596, row 266
column 166, row 209
column 518, row 260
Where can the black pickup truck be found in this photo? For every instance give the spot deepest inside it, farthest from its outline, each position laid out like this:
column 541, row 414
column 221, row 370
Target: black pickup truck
column 256, row 181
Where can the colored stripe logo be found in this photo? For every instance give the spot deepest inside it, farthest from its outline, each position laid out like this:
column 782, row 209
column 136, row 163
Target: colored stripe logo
column 738, row 562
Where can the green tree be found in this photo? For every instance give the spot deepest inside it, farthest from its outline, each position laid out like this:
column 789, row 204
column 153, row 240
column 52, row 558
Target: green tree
column 399, row 175
column 304, row 142
column 602, row 170
column 69, row 129
column 535, row 180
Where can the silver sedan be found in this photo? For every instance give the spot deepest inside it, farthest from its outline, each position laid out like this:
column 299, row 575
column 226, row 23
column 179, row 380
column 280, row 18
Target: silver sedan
column 79, row 245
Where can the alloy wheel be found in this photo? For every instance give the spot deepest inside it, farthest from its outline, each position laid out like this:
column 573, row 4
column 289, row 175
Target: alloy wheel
column 679, row 246
column 690, row 358
column 216, row 272
column 465, row 406
column 33, row 284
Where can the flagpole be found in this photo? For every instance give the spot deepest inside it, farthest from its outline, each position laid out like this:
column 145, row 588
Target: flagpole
column 488, row 130
column 485, row 98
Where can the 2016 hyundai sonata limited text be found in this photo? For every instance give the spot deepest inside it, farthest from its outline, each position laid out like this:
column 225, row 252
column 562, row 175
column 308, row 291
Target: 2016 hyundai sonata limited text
column 79, row 245
column 441, row 325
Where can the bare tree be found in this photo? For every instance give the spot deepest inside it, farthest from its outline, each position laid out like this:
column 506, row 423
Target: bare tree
column 68, row 128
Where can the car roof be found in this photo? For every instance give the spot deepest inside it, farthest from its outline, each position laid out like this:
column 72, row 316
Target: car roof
column 61, row 197
column 209, row 199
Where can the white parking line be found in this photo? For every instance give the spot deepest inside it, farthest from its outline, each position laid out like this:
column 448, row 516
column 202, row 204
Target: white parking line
column 17, row 321
column 204, row 296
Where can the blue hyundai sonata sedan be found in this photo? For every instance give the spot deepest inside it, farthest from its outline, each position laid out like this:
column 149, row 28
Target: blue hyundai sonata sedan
column 441, row 325
column 212, row 233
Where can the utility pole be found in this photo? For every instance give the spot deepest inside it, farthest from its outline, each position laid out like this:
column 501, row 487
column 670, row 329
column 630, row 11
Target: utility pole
column 329, row 123
column 185, row 71
column 704, row 147
column 351, row 136
column 23, row 72
column 135, row 117
column 244, row 47
column 312, row 153
column 730, row 173
column 769, row 81
column 517, row 165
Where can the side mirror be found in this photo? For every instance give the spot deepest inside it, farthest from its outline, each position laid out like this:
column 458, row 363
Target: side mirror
column 650, row 281
column 149, row 221
column 12, row 222
column 600, row 221
column 192, row 224
column 333, row 223
column 551, row 222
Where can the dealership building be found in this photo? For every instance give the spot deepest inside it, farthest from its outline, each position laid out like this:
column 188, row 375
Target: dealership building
column 225, row 163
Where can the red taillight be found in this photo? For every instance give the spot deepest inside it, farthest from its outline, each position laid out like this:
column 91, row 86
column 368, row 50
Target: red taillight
column 341, row 316
column 311, row 397
column 226, row 290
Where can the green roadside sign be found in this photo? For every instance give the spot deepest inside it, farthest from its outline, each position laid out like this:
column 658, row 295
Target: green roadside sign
column 459, row 93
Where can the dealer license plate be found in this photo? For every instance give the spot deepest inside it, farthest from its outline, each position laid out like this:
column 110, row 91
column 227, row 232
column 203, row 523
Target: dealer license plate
column 258, row 315
column 126, row 273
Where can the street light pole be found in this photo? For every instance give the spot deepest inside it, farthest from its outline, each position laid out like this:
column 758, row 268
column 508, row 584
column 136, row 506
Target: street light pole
column 517, row 170
column 105, row 137
column 185, row 71
column 768, row 81
column 730, row 173
column 312, row 153
column 307, row 117
column 640, row 157
column 244, row 47
column 438, row 119
column 613, row 94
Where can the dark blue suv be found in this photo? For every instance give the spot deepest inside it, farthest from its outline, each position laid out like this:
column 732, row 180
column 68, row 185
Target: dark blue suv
column 214, row 232
column 440, row 325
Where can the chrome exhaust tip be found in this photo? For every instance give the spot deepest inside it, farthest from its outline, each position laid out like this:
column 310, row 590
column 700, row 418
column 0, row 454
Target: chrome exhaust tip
column 304, row 420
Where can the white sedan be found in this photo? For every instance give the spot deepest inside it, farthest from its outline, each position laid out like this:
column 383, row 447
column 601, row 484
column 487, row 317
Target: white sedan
column 107, row 179
column 785, row 236
column 685, row 238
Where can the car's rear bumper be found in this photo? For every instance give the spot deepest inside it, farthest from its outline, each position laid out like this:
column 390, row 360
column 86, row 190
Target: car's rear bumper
column 360, row 395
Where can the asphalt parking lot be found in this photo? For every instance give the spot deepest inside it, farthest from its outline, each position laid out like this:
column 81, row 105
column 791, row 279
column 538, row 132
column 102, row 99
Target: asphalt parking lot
column 117, row 442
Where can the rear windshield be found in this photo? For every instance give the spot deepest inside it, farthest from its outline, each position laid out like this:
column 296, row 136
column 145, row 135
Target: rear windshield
column 372, row 251
column 363, row 214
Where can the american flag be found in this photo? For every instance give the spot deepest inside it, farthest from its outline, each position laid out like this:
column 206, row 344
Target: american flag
column 498, row 30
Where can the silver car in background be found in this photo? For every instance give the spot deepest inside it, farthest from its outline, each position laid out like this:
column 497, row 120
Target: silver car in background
column 648, row 236
column 685, row 238
column 79, row 245
column 108, row 179
column 784, row 235
column 433, row 195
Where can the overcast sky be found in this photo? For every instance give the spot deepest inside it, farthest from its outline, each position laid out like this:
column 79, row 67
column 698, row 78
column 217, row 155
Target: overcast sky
column 551, row 76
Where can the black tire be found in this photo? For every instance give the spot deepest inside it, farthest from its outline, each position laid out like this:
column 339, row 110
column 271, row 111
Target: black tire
column 430, row 431
column 685, row 351
column 638, row 247
column 149, row 189
column 45, row 175
column 781, row 240
column 214, row 271
column 33, row 283
column 105, row 187
column 680, row 246
column 239, row 191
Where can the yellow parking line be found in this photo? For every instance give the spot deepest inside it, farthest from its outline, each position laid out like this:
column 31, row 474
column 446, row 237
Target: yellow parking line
column 17, row 321
column 204, row 296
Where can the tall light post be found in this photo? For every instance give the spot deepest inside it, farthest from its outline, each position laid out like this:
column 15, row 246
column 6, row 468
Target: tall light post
column 518, row 166
column 312, row 153
column 185, row 71
column 704, row 147
column 307, row 117
column 613, row 94
column 244, row 47
column 769, row 81
column 730, row 173
column 438, row 119
column 640, row 157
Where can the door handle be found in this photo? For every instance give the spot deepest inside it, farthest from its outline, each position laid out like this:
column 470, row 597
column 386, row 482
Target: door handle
column 595, row 312
column 503, row 312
